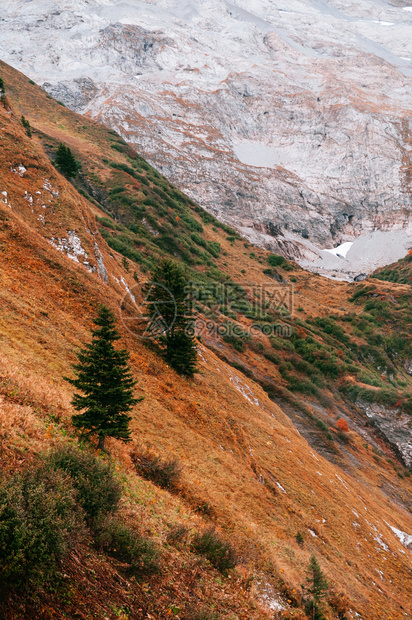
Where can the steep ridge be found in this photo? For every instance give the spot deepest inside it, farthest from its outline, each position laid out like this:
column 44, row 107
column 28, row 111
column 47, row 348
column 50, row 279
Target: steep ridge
column 62, row 252
column 290, row 121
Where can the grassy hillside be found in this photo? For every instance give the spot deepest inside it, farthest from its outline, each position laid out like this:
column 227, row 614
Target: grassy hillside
column 399, row 272
column 245, row 469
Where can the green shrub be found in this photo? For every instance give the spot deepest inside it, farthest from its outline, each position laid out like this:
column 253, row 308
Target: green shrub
column 106, row 221
column 220, row 554
column 39, row 522
column 281, row 343
column 165, row 473
column 361, row 291
column 213, row 247
column 235, row 341
column 121, row 542
column 98, row 491
column 322, row 426
column 119, row 147
column 331, row 327
column 275, row 260
column 198, row 239
column 272, row 357
column 122, row 245
column 123, row 168
column 26, row 125
column 119, row 189
column 191, row 223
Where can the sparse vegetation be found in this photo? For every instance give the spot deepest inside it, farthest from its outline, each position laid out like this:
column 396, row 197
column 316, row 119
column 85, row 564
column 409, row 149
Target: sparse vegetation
column 121, row 542
column 219, row 553
column 166, row 473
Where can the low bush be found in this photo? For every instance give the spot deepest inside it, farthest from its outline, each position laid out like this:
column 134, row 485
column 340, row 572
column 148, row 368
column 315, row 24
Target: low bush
column 235, row 341
column 275, row 260
column 177, row 534
column 98, row 490
column 331, row 327
column 123, row 168
column 220, row 554
column 105, row 221
column 39, row 522
column 165, row 473
column 124, row 544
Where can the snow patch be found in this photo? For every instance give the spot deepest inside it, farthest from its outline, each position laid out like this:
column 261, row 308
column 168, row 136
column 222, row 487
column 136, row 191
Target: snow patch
column 100, row 263
column 20, row 170
column 243, row 389
column 342, row 482
column 259, row 155
column 342, row 249
column 71, row 246
column 280, row 487
column 5, row 200
column 406, row 539
column 48, row 186
column 268, row 595
column 127, row 288
column 28, row 197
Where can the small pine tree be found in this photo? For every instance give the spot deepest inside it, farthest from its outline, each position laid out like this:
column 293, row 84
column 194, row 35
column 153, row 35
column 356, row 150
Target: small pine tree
column 170, row 321
column 3, row 98
column 104, row 377
column 26, row 125
column 66, row 162
column 317, row 588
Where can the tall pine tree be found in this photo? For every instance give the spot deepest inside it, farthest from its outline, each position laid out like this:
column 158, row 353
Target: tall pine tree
column 317, row 588
column 66, row 161
column 104, row 378
column 170, row 320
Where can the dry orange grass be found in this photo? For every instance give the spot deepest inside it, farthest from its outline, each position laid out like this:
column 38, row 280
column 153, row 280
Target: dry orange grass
column 240, row 452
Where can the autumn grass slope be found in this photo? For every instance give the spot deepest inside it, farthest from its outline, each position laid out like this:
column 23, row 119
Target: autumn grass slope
column 245, row 473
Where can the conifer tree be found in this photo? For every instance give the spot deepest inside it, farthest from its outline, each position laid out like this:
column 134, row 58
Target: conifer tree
column 66, row 162
column 104, row 378
column 3, row 98
column 26, row 125
column 170, row 320
column 317, row 588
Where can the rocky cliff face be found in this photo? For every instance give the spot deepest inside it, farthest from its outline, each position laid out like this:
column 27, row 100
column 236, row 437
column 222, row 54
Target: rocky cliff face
column 288, row 119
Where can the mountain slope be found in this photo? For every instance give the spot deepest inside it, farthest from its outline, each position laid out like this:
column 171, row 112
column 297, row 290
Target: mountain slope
column 291, row 122
column 242, row 457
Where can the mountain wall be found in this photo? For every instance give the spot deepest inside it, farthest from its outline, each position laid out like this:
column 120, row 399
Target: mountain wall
column 289, row 120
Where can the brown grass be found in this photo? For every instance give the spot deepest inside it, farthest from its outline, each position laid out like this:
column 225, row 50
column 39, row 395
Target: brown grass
column 235, row 453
